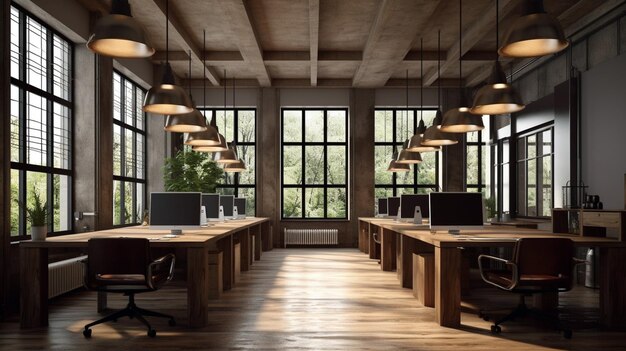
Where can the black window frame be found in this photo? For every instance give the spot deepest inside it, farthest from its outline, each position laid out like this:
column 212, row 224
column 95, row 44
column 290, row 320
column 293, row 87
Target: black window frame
column 236, row 186
column 325, row 186
column 394, row 186
column 22, row 166
column 481, row 143
column 123, row 179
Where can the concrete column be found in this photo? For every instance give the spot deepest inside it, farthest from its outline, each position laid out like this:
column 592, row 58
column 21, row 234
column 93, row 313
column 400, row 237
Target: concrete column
column 268, row 158
column 104, row 143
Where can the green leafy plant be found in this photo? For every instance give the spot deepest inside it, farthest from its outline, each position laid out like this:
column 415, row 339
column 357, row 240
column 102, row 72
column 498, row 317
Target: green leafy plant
column 192, row 171
column 38, row 213
column 490, row 204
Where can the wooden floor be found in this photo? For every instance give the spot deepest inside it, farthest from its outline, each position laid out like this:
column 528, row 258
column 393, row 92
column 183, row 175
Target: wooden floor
column 309, row 299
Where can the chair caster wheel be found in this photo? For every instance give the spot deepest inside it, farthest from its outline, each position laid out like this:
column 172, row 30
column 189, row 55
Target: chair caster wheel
column 171, row 322
column 495, row 329
column 567, row 334
column 87, row 333
column 151, row 333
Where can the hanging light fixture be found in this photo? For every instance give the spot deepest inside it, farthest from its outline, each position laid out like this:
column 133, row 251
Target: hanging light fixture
column 223, row 145
column 536, row 33
column 236, row 167
column 190, row 122
column 415, row 143
column 433, row 136
column 211, row 136
column 497, row 97
column 394, row 166
column 459, row 119
column 119, row 35
column 230, row 155
column 405, row 156
column 167, row 98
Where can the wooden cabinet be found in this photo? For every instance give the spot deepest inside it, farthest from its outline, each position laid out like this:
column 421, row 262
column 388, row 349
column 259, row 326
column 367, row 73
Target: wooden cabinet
column 600, row 223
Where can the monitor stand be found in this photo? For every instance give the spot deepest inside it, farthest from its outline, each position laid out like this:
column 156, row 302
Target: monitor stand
column 176, row 232
column 454, row 232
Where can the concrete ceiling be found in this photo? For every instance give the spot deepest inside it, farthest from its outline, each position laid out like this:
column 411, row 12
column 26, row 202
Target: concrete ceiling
column 365, row 43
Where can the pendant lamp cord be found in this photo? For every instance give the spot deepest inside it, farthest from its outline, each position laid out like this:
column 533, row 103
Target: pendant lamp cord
column 167, row 31
column 407, row 104
column 497, row 27
column 439, row 69
column 189, row 74
column 460, row 41
column 204, row 67
column 421, row 79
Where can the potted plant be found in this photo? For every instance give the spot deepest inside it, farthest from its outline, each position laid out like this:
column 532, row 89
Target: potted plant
column 490, row 204
column 191, row 171
column 38, row 217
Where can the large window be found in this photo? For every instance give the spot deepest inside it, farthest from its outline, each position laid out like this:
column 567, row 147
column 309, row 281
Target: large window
column 392, row 127
column 129, row 152
column 314, row 163
column 41, row 123
column 477, row 160
column 534, row 173
column 238, row 125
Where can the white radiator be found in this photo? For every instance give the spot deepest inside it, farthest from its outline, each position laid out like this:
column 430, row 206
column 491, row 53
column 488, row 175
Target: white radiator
column 65, row 276
column 311, row 237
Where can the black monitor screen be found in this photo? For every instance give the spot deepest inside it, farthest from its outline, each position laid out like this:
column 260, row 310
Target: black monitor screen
column 227, row 201
column 456, row 209
column 393, row 203
column 240, row 202
column 211, row 203
column 382, row 206
column 175, row 209
column 408, row 202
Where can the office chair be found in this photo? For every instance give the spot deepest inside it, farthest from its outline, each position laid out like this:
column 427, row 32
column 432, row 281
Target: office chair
column 538, row 265
column 123, row 265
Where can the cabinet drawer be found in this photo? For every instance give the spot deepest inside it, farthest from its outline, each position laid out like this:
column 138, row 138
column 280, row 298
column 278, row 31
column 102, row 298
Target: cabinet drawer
column 602, row 219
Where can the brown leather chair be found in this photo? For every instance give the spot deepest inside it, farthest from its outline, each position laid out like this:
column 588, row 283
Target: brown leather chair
column 538, row 265
column 123, row 265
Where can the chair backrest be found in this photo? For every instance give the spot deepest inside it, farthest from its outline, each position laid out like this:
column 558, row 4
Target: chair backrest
column 550, row 256
column 117, row 256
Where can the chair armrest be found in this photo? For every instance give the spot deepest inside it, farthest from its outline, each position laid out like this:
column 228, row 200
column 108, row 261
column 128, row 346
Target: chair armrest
column 515, row 277
column 376, row 237
column 157, row 265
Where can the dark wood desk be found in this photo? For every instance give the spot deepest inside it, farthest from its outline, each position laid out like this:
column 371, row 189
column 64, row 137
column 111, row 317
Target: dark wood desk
column 210, row 263
column 412, row 238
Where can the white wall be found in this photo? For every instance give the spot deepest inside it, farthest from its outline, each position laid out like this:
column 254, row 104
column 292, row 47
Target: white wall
column 604, row 131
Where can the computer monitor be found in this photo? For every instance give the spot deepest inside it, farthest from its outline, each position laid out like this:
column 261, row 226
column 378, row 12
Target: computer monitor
column 382, row 207
column 240, row 203
column 176, row 211
column 211, row 203
column 456, row 211
column 408, row 202
column 227, row 202
column 393, row 204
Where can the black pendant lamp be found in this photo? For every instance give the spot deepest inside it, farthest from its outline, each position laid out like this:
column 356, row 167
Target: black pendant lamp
column 230, row 155
column 536, row 33
column 459, row 119
column 222, row 145
column 405, row 156
column 167, row 98
column 394, row 166
column 235, row 167
column 119, row 35
column 498, row 96
column 190, row 122
column 433, row 136
column 415, row 143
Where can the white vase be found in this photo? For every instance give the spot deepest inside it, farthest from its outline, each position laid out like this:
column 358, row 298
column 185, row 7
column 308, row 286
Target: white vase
column 38, row 233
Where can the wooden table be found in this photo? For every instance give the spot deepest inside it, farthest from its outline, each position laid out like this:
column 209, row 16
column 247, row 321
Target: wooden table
column 411, row 238
column 210, row 263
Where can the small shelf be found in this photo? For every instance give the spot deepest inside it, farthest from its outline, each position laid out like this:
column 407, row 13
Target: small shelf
column 590, row 222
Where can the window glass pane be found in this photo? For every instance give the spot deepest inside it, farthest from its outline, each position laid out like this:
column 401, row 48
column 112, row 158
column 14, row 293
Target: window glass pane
column 336, row 125
column 117, row 202
column 61, row 67
column 532, row 187
column 129, row 194
column 314, row 202
column 36, row 184
column 139, row 200
column 292, row 126
column 336, row 199
column 16, row 58
column 129, row 104
column 139, row 114
column 292, row 202
column 383, row 128
column 249, row 194
column 225, row 124
column 117, row 96
column 473, row 137
column 62, row 211
column 61, row 135
column 246, row 129
column 547, row 142
column 337, row 165
column 382, row 156
column 117, row 150
column 15, row 124
column 547, row 186
column 36, row 124
column 314, row 167
column 404, row 125
column 472, row 165
column 140, row 156
column 531, row 146
column 383, row 193
column 406, row 178
column 314, row 126
column 226, row 191
column 15, row 198
column 36, row 54
column 427, row 170
column 506, row 188
column 292, row 165
column 246, row 153
column 129, row 154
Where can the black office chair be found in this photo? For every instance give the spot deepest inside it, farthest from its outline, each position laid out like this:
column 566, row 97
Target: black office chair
column 123, row 265
column 538, row 265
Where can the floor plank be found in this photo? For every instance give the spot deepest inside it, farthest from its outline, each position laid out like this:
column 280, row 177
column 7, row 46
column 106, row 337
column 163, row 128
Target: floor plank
column 310, row 299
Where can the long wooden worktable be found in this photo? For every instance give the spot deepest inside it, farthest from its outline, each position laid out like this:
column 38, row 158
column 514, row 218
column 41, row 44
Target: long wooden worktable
column 210, row 252
column 399, row 241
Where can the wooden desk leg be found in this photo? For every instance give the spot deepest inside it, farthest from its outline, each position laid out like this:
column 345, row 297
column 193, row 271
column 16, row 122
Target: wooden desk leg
column 197, row 286
column 388, row 250
column 216, row 282
column 33, row 287
column 448, row 286
column 244, row 239
column 228, row 262
column 257, row 243
column 398, row 257
column 613, row 288
column 408, row 246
